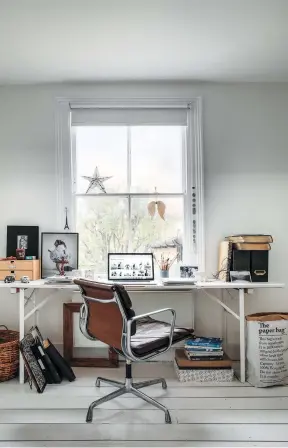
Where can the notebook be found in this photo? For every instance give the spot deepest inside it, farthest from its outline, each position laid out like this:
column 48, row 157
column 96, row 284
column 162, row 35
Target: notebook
column 178, row 281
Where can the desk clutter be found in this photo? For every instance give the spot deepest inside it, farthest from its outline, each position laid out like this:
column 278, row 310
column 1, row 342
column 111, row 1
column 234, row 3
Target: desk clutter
column 203, row 359
column 43, row 362
column 246, row 256
column 58, row 256
column 19, row 268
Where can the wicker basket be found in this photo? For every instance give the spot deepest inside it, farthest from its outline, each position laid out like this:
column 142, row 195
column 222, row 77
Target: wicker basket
column 9, row 353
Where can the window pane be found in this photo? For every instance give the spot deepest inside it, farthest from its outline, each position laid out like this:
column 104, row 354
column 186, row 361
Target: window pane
column 104, row 147
column 102, row 224
column 156, row 158
column 155, row 234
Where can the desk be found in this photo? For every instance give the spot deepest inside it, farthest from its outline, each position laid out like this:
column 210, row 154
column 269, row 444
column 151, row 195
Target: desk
column 242, row 289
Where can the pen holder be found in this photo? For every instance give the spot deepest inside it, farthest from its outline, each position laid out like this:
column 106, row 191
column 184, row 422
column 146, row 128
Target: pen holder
column 164, row 273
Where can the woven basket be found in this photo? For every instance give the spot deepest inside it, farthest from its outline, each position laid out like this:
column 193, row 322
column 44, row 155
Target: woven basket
column 9, row 353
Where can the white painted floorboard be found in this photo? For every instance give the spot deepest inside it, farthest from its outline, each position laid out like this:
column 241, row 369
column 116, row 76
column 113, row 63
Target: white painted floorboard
column 229, row 414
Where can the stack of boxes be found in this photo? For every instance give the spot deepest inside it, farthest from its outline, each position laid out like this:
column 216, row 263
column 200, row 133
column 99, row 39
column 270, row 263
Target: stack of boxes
column 245, row 253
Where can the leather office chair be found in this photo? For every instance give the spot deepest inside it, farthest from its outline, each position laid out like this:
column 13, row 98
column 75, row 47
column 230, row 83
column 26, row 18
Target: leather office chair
column 107, row 315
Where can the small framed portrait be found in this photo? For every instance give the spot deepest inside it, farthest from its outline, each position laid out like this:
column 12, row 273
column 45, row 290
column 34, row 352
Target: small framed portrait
column 22, row 242
column 240, row 276
column 188, row 271
column 23, row 237
column 59, row 253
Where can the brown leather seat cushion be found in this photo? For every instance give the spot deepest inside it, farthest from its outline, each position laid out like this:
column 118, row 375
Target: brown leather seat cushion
column 152, row 335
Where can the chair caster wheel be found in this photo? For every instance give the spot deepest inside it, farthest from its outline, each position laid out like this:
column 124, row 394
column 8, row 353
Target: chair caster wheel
column 164, row 385
column 167, row 418
column 97, row 384
column 89, row 416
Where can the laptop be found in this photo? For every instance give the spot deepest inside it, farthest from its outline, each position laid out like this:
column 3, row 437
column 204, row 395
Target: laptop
column 131, row 268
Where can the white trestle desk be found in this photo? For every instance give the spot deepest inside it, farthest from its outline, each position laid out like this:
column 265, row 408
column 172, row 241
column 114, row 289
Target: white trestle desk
column 242, row 289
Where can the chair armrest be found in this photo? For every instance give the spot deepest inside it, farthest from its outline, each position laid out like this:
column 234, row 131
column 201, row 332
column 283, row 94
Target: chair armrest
column 83, row 318
column 140, row 316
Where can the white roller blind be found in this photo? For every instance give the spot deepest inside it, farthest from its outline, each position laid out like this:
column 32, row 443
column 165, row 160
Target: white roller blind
column 161, row 116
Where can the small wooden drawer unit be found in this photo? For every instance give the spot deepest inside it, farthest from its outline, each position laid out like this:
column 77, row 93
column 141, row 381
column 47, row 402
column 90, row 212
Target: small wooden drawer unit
column 31, row 268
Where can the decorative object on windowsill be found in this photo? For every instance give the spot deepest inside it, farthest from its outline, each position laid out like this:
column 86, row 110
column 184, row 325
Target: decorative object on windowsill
column 76, row 273
column 20, row 254
column 9, row 353
column 96, row 181
column 165, row 264
column 59, row 253
column 66, row 227
column 160, row 205
column 22, row 237
column 173, row 246
column 89, row 274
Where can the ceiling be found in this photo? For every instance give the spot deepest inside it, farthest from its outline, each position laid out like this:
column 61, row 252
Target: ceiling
column 93, row 40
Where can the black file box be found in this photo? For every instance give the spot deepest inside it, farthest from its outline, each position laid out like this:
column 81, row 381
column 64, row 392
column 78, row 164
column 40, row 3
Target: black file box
column 254, row 261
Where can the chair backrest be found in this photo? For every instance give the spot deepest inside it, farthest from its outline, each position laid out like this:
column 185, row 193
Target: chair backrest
column 107, row 315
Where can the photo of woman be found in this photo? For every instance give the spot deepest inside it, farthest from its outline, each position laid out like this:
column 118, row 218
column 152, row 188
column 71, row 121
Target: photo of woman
column 59, row 253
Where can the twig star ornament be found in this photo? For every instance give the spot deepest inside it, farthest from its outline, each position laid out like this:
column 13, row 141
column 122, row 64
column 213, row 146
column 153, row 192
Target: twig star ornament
column 159, row 205
column 96, row 181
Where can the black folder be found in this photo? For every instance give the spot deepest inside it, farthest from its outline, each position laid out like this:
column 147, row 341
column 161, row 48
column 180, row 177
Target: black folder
column 60, row 363
column 51, row 374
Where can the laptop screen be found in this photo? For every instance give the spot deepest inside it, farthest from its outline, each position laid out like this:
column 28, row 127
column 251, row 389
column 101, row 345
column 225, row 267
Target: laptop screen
column 130, row 267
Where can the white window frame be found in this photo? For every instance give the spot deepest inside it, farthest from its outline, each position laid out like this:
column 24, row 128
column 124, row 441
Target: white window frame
column 192, row 167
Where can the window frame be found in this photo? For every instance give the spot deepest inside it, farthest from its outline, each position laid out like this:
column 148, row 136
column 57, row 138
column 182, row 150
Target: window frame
column 192, row 168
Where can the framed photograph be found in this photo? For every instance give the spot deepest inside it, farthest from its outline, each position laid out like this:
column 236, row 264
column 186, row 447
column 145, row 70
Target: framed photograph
column 240, row 276
column 22, row 237
column 59, row 251
column 188, row 271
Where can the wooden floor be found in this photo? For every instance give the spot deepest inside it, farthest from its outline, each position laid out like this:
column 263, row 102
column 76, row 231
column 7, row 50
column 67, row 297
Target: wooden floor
column 203, row 415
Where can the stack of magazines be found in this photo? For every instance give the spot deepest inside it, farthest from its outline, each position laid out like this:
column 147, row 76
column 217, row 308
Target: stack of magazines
column 204, row 349
column 59, row 279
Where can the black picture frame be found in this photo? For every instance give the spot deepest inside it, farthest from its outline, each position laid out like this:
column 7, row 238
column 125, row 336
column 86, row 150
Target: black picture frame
column 48, row 240
column 31, row 240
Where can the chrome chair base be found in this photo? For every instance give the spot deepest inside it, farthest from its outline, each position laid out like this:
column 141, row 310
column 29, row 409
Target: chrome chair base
column 129, row 387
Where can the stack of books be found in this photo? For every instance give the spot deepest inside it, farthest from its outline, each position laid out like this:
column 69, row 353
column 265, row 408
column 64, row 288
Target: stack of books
column 204, row 349
column 203, row 359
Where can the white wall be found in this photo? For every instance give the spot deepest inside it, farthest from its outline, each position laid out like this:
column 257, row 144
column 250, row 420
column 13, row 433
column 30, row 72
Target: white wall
column 246, row 179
